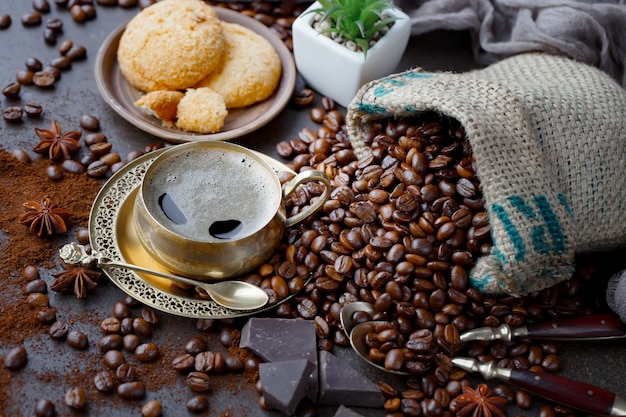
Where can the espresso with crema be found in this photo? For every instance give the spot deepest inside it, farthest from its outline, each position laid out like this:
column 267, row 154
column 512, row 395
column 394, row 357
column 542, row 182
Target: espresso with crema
column 212, row 194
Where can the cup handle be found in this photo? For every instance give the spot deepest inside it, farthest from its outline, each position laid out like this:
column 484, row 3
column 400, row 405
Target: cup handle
column 306, row 176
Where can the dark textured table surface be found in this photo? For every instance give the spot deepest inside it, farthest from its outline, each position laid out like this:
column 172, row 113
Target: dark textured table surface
column 76, row 94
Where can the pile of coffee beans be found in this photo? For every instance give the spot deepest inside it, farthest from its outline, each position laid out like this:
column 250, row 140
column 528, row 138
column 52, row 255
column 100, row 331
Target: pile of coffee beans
column 401, row 230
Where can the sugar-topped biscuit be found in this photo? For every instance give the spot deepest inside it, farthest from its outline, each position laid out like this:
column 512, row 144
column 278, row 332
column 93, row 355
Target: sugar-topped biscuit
column 250, row 70
column 201, row 110
column 171, row 45
column 162, row 104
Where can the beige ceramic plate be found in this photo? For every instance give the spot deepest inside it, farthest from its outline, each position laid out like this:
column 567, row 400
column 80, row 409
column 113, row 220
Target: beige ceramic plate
column 121, row 96
column 112, row 234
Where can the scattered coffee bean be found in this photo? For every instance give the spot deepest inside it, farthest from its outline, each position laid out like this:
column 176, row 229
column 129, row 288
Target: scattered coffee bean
column 5, row 21
column 198, row 381
column 152, row 408
column 41, row 6
column 114, row 358
column 127, row 372
column 54, row 71
column 31, row 19
column 55, row 24
column 50, row 36
column 134, row 390
column 77, row 52
column 62, row 62
column 24, row 77
column 22, row 156
column 16, row 358
column 198, row 404
column 47, row 315
column 184, row 362
column 72, row 166
column 65, row 46
column 89, row 122
column 130, row 342
column 33, row 109
column 43, row 79
column 37, row 300
column 77, row 340
column 44, row 408
column 150, row 316
column 59, row 330
column 110, row 342
column 12, row 114
column 12, row 90
column 141, row 327
column 36, row 285
column 104, row 381
column 77, row 13
column 147, row 352
column 75, row 398
column 55, row 172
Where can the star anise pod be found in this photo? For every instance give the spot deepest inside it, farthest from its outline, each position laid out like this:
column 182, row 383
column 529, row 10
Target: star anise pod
column 479, row 402
column 44, row 217
column 56, row 144
column 77, row 279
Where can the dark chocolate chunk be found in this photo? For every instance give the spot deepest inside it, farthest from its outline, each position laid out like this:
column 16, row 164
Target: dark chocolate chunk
column 284, row 384
column 277, row 340
column 346, row 412
column 340, row 384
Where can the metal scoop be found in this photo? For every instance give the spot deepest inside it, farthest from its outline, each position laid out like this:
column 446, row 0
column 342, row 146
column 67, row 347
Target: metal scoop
column 236, row 295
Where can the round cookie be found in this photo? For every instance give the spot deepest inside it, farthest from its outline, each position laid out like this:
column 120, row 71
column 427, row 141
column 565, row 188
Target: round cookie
column 201, row 110
column 171, row 45
column 250, row 70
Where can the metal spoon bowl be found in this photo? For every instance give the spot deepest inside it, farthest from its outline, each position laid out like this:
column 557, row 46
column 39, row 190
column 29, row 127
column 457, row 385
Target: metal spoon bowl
column 357, row 341
column 236, row 295
column 347, row 314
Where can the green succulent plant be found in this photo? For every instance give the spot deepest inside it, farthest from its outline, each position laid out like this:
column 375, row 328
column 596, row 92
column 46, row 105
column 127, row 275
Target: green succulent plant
column 355, row 20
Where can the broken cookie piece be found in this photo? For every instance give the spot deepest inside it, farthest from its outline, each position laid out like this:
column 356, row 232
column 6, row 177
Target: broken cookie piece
column 201, row 110
column 162, row 104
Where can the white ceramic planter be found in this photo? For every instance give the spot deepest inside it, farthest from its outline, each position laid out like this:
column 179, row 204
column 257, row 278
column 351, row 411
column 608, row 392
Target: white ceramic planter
column 337, row 72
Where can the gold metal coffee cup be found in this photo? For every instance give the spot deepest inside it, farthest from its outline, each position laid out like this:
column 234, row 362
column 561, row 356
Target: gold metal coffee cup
column 215, row 210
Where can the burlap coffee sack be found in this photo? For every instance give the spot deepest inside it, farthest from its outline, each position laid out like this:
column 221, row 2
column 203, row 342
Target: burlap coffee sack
column 549, row 138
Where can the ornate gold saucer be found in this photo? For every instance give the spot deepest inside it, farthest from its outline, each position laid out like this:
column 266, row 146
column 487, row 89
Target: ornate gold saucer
column 112, row 234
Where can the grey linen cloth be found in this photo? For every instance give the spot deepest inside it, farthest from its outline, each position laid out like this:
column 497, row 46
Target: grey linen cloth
column 590, row 31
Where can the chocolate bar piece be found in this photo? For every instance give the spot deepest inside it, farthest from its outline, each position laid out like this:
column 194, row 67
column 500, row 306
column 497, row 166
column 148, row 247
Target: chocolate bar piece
column 346, row 412
column 284, row 384
column 277, row 340
column 340, row 384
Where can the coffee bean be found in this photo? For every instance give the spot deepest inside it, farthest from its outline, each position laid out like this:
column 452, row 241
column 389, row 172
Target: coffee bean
column 24, row 77
column 114, row 358
column 130, row 342
column 12, row 114
column 50, row 36
column 198, row 404
column 36, row 286
column 523, row 400
column 76, row 52
column 77, row 340
column 65, row 46
column 12, row 90
column 46, row 315
column 54, row 71
column 78, row 14
column 59, row 330
column 54, row 24
column 44, row 408
column 62, row 62
column 89, row 122
column 41, row 6
column 43, row 79
column 104, row 381
column 33, row 109
column 152, row 408
column 16, row 358
column 5, row 21
column 55, row 172
column 183, row 362
column 147, row 352
column 110, row 342
column 75, row 398
column 127, row 373
column 37, row 299
column 31, row 19
column 141, row 327
column 21, row 156
column 33, row 64
column 72, row 166
column 150, row 316
column 198, row 381
column 134, row 390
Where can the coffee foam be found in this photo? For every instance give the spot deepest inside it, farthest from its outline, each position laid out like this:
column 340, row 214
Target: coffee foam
column 213, row 185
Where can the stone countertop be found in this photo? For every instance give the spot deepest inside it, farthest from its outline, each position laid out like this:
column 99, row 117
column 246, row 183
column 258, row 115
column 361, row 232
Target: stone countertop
column 76, row 94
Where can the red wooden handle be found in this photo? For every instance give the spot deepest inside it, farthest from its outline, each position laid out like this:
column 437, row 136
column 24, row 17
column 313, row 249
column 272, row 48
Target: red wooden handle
column 569, row 392
column 585, row 327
